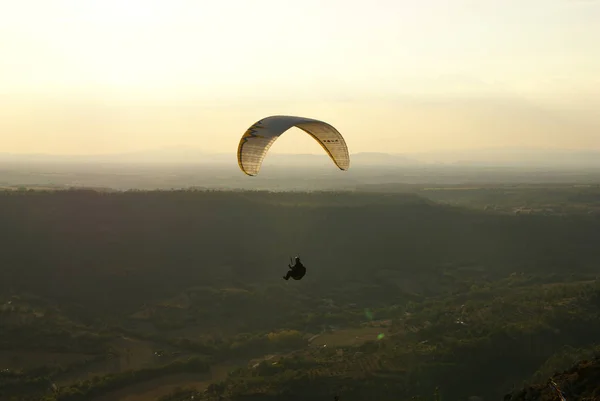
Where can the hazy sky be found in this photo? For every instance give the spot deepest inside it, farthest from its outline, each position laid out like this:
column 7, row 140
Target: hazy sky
column 83, row 76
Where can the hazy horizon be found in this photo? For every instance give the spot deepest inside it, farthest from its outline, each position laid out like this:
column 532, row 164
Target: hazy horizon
column 499, row 157
column 101, row 77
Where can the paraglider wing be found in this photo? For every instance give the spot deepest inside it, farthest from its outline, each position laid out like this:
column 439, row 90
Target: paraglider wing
column 257, row 140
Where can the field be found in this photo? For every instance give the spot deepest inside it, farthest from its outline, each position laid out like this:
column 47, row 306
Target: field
column 166, row 385
column 18, row 359
column 347, row 337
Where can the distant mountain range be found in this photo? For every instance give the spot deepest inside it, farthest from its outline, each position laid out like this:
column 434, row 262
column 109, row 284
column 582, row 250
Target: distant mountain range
column 517, row 157
column 520, row 157
column 198, row 156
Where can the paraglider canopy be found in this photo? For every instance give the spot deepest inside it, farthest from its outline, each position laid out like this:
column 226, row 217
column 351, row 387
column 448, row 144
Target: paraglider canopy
column 257, row 140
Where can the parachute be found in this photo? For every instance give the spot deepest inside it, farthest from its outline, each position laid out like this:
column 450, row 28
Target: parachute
column 257, row 140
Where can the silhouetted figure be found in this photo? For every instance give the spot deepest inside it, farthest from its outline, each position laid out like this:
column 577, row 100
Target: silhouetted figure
column 297, row 271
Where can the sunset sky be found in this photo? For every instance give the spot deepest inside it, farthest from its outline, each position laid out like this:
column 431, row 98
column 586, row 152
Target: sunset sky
column 83, row 77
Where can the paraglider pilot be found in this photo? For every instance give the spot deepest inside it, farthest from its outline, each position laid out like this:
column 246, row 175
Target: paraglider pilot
column 297, row 271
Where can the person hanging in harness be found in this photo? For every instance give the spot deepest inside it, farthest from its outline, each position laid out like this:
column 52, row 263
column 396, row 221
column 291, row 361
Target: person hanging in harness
column 297, row 271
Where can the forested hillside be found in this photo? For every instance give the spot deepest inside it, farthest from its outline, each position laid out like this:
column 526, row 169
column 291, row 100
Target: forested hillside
column 472, row 302
column 61, row 242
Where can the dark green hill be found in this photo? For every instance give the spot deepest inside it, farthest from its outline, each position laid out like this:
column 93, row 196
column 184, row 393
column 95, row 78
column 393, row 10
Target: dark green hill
column 581, row 382
column 79, row 244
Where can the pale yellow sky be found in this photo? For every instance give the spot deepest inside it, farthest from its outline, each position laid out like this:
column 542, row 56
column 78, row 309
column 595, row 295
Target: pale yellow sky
column 83, row 76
